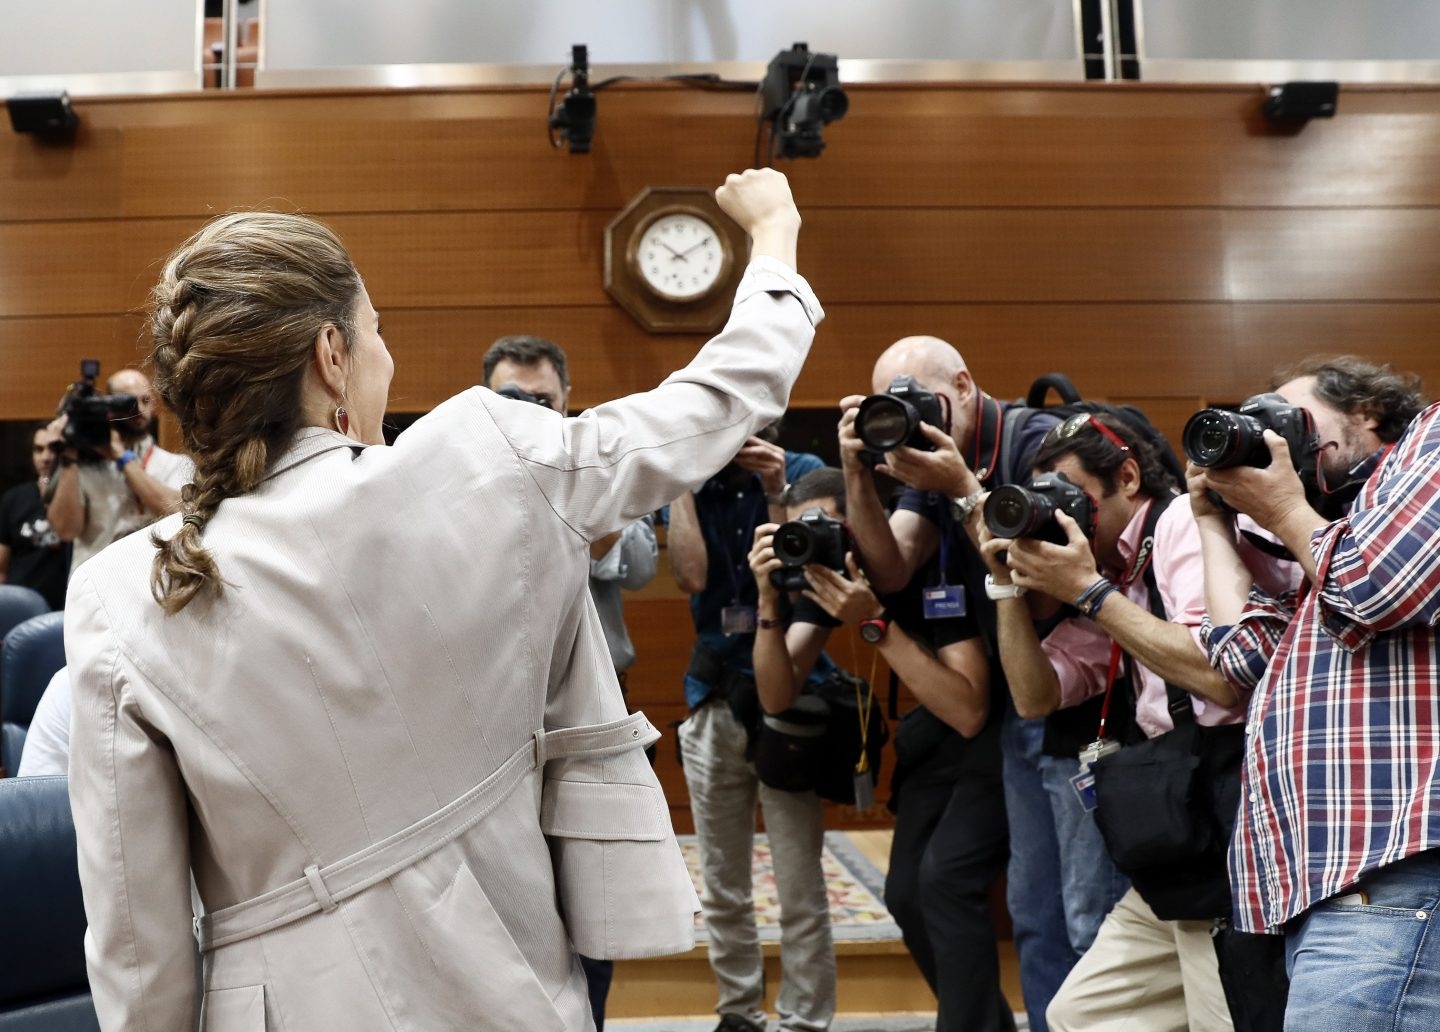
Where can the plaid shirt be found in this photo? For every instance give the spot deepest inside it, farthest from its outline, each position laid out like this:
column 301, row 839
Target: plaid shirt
column 1342, row 763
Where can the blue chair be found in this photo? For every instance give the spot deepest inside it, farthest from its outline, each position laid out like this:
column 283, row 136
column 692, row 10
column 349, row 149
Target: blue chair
column 43, row 986
column 29, row 657
column 17, row 605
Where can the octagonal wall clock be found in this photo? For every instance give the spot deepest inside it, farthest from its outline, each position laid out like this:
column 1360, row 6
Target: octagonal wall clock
column 673, row 260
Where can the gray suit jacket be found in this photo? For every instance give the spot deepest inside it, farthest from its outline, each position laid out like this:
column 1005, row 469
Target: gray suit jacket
column 343, row 748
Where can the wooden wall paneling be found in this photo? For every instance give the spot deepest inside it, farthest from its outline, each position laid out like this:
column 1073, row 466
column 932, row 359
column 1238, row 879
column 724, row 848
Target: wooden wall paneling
column 1269, row 337
column 1321, row 255
column 990, row 255
column 478, row 164
column 41, row 357
column 60, row 268
column 40, row 179
column 928, row 145
column 1107, row 349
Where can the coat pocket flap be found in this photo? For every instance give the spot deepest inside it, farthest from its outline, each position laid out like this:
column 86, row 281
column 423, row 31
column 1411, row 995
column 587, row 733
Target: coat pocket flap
column 586, row 809
column 234, row 1010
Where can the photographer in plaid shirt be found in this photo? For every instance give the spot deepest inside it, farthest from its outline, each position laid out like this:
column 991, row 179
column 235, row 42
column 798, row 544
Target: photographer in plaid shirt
column 1336, row 845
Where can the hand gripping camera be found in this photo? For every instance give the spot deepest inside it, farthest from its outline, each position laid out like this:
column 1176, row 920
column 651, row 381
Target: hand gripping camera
column 517, row 393
column 1014, row 511
column 892, row 420
column 814, row 538
column 1220, row 439
column 93, row 415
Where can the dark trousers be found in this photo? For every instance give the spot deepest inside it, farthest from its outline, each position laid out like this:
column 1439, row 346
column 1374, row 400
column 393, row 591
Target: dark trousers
column 598, row 974
column 1252, row 970
column 950, row 845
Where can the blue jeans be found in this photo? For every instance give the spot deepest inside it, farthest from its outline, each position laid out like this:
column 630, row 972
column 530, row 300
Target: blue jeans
column 1034, row 878
column 1090, row 884
column 1371, row 963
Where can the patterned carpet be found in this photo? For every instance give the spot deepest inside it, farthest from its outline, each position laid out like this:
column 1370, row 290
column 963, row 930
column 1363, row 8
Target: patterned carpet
column 856, row 887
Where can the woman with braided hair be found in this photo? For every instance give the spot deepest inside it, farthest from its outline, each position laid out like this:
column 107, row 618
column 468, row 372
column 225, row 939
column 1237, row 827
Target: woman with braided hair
column 359, row 692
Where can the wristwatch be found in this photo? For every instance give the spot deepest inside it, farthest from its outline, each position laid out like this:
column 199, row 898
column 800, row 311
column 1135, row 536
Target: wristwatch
column 126, row 457
column 873, row 630
column 961, row 508
column 999, row 591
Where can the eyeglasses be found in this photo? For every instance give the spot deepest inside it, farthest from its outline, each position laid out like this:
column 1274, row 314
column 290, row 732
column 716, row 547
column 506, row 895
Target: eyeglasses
column 1072, row 426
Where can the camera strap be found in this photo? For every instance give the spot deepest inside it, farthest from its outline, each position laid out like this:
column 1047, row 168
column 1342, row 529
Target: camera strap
column 1141, row 565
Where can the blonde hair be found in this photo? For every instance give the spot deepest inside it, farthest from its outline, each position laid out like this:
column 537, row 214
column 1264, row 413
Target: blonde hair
column 234, row 321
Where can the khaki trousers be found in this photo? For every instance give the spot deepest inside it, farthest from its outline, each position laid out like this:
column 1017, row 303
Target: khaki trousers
column 1143, row 973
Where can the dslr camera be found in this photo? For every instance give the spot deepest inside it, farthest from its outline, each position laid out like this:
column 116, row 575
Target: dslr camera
column 515, row 393
column 1014, row 511
column 892, row 420
column 814, row 538
column 1221, row 439
column 92, row 415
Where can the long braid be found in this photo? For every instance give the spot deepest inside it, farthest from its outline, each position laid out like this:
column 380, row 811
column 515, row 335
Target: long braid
column 234, row 318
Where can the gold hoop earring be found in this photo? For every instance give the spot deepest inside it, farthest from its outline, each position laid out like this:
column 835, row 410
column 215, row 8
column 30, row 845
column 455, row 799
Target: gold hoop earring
column 342, row 419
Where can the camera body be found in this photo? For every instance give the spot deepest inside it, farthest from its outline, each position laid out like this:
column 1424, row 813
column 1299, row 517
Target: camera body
column 1028, row 511
column 91, row 415
column 815, row 537
column 515, row 393
column 892, row 420
column 1220, row 439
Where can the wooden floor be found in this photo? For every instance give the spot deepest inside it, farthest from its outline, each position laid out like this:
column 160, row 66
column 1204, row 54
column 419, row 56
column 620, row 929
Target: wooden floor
column 874, row 977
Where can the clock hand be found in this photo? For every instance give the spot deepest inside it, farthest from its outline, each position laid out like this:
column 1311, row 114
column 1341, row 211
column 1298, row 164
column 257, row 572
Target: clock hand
column 693, row 246
column 672, row 250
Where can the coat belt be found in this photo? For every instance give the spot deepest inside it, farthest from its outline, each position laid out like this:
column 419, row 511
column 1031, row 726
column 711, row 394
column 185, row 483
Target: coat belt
column 324, row 888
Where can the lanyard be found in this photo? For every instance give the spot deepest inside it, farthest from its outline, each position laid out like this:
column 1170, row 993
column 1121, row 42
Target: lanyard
column 1138, row 565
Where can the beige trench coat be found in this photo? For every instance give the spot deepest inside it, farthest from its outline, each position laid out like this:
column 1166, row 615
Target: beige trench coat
column 349, row 733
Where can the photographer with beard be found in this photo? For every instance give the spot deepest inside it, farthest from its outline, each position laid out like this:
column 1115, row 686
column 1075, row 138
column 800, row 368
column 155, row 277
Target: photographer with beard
column 1252, row 633
column 99, row 497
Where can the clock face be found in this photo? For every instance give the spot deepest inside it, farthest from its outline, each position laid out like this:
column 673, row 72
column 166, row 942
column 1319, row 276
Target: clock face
column 680, row 256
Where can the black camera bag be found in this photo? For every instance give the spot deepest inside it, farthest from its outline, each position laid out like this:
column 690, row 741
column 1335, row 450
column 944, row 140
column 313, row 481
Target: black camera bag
column 1071, row 405
column 815, row 744
column 1166, row 806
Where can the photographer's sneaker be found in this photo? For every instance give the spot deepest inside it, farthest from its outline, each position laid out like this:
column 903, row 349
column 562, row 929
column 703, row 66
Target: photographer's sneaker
column 737, row 1023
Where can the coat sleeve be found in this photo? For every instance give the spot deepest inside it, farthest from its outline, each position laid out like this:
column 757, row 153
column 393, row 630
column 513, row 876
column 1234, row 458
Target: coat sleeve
column 620, row 460
column 131, row 829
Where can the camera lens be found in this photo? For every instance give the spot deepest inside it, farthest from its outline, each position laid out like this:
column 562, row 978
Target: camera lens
column 1217, row 439
column 794, row 543
column 885, row 423
column 1013, row 511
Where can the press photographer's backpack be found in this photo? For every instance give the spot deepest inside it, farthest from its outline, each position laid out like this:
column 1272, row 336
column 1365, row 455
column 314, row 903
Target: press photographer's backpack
column 1070, row 405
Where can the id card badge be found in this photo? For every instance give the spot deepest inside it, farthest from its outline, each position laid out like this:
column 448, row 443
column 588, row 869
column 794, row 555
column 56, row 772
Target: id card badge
column 1084, row 786
column 864, row 791
column 1084, row 782
column 944, row 601
column 738, row 619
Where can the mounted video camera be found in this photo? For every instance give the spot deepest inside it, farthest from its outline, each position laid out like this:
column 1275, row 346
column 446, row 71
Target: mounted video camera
column 1221, row 439
column 1014, row 511
column 891, row 420
column 91, row 416
column 814, row 538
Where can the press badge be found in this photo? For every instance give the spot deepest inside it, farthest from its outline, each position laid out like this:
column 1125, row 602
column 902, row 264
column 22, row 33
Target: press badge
column 1084, row 782
column 864, row 791
column 738, row 619
column 945, row 601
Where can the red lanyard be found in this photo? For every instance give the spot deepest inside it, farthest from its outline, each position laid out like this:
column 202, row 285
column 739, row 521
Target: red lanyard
column 1138, row 564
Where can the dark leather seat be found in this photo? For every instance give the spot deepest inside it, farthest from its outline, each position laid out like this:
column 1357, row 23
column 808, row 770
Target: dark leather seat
column 43, row 987
column 29, row 657
column 17, row 605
